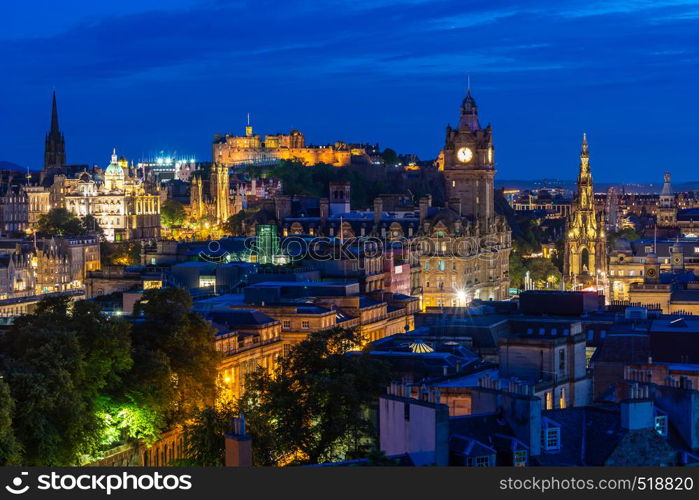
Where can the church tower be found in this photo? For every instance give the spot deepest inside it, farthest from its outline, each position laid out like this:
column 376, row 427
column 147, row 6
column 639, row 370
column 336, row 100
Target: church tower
column 54, row 146
column 585, row 246
column 469, row 166
column 220, row 191
column 667, row 208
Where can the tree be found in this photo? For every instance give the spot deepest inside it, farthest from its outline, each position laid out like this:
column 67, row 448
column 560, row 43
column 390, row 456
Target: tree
column 314, row 407
column 175, row 360
column 234, row 224
column 10, row 450
column 172, row 213
column 124, row 253
column 58, row 365
column 204, row 435
column 61, row 222
column 543, row 272
column 517, row 270
column 389, row 156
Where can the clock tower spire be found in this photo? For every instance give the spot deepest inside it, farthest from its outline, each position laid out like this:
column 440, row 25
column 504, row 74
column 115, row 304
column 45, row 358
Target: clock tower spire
column 469, row 167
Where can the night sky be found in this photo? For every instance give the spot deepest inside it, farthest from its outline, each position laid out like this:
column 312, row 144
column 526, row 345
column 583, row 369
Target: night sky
column 151, row 75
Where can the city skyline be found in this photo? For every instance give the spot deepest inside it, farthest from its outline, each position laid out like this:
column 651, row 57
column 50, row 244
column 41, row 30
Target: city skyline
column 145, row 79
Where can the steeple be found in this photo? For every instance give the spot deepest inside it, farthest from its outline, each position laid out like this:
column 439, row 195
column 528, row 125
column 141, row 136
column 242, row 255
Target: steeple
column 54, row 147
column 469, row 112
column 54, row 116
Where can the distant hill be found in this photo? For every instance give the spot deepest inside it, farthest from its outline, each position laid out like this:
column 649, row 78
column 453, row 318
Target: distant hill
column 8, row 165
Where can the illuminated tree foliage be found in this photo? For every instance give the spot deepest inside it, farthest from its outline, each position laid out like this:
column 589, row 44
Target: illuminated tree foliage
column 61, row 222
column 10, row 451
column 125, row 253
column 175, row 360
column 315, row 407
column 80, row 382
column 172, row 213
column 58, row 364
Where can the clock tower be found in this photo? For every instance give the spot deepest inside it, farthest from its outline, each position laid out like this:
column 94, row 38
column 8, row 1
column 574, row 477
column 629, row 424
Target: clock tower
column 469, row 166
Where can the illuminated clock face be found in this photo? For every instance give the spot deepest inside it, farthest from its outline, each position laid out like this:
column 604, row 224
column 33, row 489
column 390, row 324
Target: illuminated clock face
column 676, row 259
column 464, row 155
column 651, row 272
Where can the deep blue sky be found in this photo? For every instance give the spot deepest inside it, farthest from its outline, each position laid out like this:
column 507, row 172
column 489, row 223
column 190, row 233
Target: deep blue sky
column 146, row 75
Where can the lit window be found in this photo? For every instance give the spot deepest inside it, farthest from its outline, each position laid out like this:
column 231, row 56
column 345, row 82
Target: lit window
column 286, row 324
column 551, row 438
column 520, row 458
column 482, row 461
column 305, row 325
column 549, row 401
column 661, row 425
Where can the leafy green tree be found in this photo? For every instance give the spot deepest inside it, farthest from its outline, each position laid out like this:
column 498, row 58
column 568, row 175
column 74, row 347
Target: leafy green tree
column 175, row 360
column 123, row 253
column 517, row 270
column 543, row 272
column 626, row 233
column 61, row 222
column 204, row 435
column 10, row 450
column 314, row 407
column 389, row 156
column 58, row 363
column 172, row 213
column 234, row 224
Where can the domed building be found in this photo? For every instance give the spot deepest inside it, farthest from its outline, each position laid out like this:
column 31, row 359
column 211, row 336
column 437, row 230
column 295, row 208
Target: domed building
column 119, row 202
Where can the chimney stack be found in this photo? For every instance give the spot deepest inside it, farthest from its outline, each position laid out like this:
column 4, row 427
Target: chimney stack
column 378, row 209
column 238, row 445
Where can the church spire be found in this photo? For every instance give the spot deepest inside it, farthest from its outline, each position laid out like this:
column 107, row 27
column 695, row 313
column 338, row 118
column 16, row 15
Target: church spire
column 54, row 116
column 54, row 148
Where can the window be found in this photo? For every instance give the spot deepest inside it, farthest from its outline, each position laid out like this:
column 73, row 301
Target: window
column 305, row 325
column 562, row 360
column 483, row 461
column 427, row 265
column 519, row 458
column 661, row 425
column 286, row 324
column 562, row 402
column 696, row 249
column 441, row 265
column 551, row 438
column 549, row 401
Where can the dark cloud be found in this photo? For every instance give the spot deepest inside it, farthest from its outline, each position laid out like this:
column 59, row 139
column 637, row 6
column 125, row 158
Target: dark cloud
column 376, row 70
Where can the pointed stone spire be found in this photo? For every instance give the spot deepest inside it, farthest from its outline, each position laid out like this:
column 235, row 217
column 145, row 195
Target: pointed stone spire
column 584, row 151
column 469, row 110
column 54, row 116
column 54, row 147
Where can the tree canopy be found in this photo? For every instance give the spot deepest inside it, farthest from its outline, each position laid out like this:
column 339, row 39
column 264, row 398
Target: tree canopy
column 314, row 407
column 76, row 382
column 172, row 213
column 61, row 222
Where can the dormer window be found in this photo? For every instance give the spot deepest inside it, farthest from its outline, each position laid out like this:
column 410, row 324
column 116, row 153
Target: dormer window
column 519, row 458
column 661, row 424
column 550, row 435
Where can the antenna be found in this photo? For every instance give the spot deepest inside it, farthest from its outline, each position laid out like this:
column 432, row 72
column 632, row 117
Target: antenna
column 469, row 83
